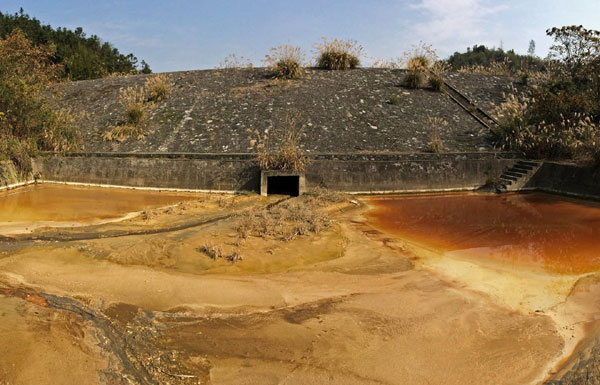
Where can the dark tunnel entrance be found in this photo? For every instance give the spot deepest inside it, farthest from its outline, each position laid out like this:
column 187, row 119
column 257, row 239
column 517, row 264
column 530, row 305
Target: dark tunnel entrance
column 283, row 185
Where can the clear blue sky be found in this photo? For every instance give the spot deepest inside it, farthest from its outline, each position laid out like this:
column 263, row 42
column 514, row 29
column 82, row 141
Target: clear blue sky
column 176, row 35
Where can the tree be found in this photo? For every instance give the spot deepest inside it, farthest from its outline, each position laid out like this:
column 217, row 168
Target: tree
column 28, row 123
column 575, row 47
column 480, row 55
column 531, row 49
column 82, row 57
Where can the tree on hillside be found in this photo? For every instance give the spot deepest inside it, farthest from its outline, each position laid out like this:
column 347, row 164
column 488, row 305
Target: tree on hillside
column 531, row 49
column 28, row 124
column 483, row 56
column 83, row 57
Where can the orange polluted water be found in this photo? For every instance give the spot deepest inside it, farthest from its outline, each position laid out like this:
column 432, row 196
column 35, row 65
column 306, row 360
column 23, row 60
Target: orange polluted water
column 537, row 230
column 62, row 203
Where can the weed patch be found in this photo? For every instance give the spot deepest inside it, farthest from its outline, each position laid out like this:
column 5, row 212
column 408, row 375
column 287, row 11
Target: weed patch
column 285, row 221
column 435, row 142
column 278, row 148
column 285, row 61
column 158, row 87
column 338, row 54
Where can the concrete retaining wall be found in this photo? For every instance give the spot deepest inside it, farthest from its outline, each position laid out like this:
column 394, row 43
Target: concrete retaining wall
column 567, row 179
column 419, row 174
column 9, row 177
column 235, row 172
column 221, row 173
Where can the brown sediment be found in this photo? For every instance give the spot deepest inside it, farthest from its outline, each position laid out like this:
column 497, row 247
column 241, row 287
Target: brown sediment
column 349, row 305
column 28, row 208
column 536, row 230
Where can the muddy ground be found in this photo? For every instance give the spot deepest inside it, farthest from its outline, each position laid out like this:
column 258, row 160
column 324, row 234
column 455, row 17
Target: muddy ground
column 147, row 301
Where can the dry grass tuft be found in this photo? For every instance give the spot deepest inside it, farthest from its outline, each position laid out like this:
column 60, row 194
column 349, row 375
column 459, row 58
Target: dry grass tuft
column 414, row 79
column 435, row 143
column 320, row 196
column 423, row 67
column 132, row 100
column 436, row 75
column 215, row 253
column 285, row 221
column 235, row 62
column 285, row 61
column 279, row 147
column 569, row 137
column 158, row 87
column 498, row 68
column 338, row 54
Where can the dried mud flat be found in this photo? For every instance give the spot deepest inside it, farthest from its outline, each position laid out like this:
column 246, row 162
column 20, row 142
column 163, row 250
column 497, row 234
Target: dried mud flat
column 120, row 304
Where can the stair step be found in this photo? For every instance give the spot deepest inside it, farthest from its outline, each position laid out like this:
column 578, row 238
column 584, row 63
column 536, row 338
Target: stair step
column 528, row 163
column 522, row 168
column 515, row 173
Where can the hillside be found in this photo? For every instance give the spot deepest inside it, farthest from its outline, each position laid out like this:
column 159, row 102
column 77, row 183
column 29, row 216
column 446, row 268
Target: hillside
column 81, row 56
column 210, row 111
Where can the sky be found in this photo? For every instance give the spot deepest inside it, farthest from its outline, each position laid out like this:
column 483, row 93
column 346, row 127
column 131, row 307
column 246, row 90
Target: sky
column 176, row 35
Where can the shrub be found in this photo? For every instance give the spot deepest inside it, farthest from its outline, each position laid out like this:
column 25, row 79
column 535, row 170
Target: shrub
column 420, row 57
column 436, row 75
column 418, row 63
column 158, row 87
column 132, row 100
column 414, row 79
column 28, row 123
column 435, row 82
column 519, row 129
column 279, row 147
column 338, row 54
column 285, row 62
column 423, row 67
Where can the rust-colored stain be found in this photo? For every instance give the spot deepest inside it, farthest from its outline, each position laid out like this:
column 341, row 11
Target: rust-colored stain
column 539, row 230
column 36, row 300
column 25, row 295
column 60, row 203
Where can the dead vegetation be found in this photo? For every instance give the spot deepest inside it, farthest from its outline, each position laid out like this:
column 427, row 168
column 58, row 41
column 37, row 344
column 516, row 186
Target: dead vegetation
column 435, row 143
column 135, row 103
column 158, row 87
column 338, row 54
column 278, row 148
column 233, row 61
column 497, row 68
column 285, row 62
column 320, row 196
column 285, row 221
column 424, row 69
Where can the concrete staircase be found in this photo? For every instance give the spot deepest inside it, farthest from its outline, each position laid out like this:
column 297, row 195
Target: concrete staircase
column 517, row 176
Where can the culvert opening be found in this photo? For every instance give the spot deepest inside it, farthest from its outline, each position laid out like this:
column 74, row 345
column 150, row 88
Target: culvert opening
column 283, row 185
